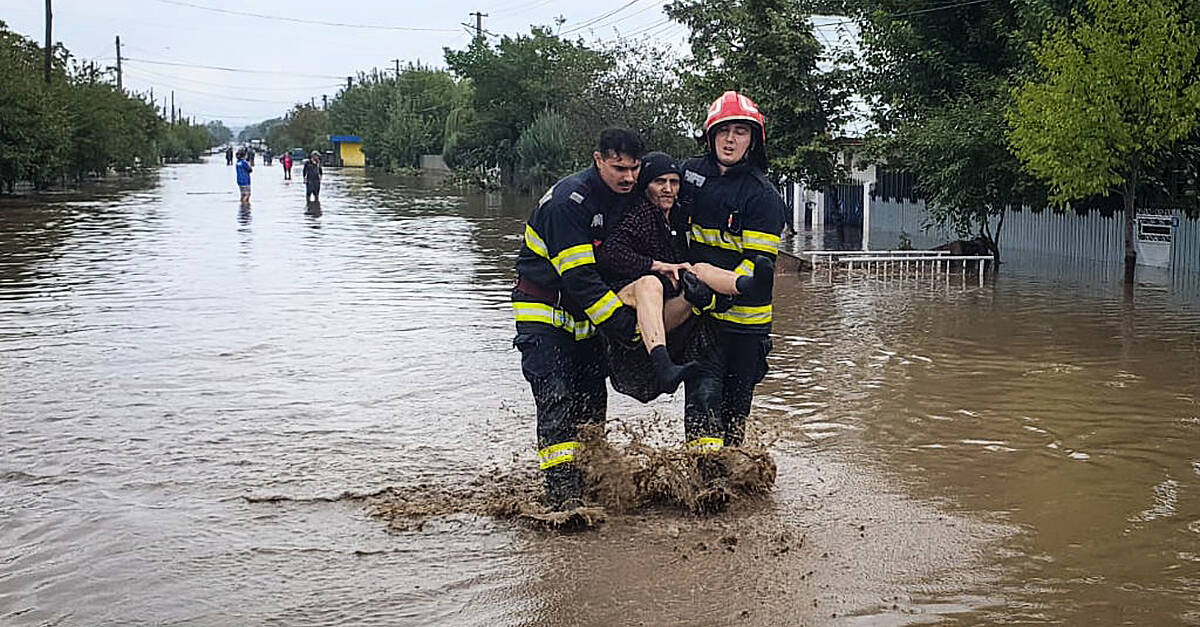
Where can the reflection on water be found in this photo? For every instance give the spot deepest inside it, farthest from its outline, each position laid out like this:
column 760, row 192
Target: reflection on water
column 1022, row 452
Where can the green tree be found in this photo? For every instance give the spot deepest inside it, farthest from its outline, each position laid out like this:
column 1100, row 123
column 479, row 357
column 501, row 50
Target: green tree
column 938, row 78
column 305, row 126
column 1116, row 91
column 218, row 134
column 512, row 83
column 35, row 123
column 767, row 50
column 400, row 117
column 544, row 151
column 641, row 90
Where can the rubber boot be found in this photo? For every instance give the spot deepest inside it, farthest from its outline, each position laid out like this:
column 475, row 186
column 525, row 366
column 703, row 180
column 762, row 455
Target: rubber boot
column 564, row 487
column 696, row 292
column 668, row 373
column 758, row 286
column 714, row 496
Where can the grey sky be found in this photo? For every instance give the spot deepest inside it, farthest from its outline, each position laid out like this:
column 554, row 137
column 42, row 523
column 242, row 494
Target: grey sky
column 304, row 60
column 296, row 61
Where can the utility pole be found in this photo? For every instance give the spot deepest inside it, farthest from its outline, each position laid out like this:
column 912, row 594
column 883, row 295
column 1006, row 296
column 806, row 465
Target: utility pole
column 49, row 19
column 324, row 102
column 397, row 62
column 119, row 63
column 349, row 82
column 478, row 23
column 172, row 106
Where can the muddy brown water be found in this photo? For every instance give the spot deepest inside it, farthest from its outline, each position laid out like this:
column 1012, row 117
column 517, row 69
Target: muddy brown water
column 201, row 409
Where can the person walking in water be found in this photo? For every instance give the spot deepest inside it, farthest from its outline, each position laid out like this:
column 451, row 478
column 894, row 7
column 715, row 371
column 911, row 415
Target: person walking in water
column 312, row 177
column 287, row 166
column 243, row 177
column 229, row 155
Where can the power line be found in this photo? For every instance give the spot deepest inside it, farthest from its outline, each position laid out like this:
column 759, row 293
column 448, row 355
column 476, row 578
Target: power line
column 210, row 94
column 161, row 76
column 587, row 23
column 231, row 69
column 907, row 14
column 282, row 18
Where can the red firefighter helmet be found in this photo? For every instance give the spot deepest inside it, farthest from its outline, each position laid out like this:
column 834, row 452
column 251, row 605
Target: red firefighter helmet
column 732, row 106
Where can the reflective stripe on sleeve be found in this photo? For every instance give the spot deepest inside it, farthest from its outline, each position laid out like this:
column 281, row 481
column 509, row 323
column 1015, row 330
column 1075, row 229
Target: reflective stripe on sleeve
column 535, row 242
column 745, row 268
column 558, row 318
column 574, row 257
column 604, row 308
column 757, row 240
column 716, row 238
column 560, row 453
column 740, row 314
column 706, row 445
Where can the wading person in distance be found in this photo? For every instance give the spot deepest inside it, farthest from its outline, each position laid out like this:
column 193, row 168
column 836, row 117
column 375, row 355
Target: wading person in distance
column 229, row 155
column 243, row 177
column 561, row 303
column 286, row 161
column 736, row 220
column 312, row 177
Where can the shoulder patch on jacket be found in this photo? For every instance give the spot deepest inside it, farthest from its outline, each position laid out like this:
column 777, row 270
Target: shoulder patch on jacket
column 577, row 197
column 549, row 193
column 694, row 177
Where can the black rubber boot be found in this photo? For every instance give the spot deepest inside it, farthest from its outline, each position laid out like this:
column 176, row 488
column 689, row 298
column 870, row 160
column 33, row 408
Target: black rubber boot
column 758, row 285
column 564, row 487
column 669, row 374
column 714, row 496
column 696, row 292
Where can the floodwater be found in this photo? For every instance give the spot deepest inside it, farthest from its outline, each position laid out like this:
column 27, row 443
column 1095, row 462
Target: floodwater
column 196, row 403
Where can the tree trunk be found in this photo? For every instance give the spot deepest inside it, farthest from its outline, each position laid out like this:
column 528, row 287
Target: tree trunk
column 1130, row 252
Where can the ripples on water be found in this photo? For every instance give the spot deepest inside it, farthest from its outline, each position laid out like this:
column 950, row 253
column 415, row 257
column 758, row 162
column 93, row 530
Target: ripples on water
column 163, row 355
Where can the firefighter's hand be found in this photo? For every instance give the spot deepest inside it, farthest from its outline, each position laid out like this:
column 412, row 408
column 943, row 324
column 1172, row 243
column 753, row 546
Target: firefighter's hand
column 670, row 270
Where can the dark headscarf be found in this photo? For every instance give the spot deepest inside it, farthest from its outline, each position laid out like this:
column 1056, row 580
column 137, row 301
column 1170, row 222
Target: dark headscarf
column 654, row 165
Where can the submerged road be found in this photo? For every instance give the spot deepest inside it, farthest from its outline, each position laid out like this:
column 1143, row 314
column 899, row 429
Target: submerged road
column 193, row 397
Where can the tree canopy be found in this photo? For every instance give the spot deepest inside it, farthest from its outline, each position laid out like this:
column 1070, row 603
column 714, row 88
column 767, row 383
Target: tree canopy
column 1116, row 89
column 767, row 50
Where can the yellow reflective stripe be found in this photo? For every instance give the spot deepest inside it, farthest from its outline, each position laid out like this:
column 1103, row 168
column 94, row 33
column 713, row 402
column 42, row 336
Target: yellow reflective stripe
column 556, row 454
column 706, row 444
column 745, row 268
column 558, row 318
column 757, row 240
column 574, row 257
column 604, row 308
column 716, row 238
column 535, row 242
column 740, row 314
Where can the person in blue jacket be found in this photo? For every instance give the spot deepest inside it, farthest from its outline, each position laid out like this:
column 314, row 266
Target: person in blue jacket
column 243, row 176
column 736, row 217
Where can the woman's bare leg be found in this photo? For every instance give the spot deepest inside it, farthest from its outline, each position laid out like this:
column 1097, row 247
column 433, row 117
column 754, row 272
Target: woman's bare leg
column 646, row 296
column 676, row 311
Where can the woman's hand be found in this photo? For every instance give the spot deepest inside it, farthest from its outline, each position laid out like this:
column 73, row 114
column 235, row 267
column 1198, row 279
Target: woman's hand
column 670, row 270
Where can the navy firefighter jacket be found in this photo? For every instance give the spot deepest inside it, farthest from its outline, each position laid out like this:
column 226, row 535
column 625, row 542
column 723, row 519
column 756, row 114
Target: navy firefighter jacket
column 733, row 217
column 570, row 221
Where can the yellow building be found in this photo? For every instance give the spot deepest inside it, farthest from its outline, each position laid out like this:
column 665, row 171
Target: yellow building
column 348, row 150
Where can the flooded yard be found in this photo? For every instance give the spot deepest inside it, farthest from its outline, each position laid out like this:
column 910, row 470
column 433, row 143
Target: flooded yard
column 197, row 403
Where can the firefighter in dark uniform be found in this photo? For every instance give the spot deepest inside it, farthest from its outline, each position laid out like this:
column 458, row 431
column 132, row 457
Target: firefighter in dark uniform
column 561, row 305
column 736, row 217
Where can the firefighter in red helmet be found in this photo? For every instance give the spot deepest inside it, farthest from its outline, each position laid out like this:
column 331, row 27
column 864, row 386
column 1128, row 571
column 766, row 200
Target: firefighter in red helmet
column 736, row 217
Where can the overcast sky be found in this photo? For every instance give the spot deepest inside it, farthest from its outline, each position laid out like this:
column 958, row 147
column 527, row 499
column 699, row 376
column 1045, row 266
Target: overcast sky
column 284, row 57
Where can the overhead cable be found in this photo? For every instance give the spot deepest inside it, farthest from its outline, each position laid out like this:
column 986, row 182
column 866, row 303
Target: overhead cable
column 283, row 18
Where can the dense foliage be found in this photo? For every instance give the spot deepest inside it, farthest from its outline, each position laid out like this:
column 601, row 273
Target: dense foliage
column 767, row 50
column 1117, row 90
column 79, row 124
column 400, row 117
